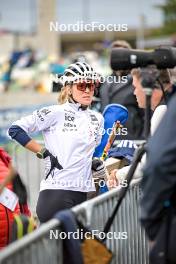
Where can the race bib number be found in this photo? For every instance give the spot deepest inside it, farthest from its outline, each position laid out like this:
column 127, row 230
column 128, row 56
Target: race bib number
column 9, row 199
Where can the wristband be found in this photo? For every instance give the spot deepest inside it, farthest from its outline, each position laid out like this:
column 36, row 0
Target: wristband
column 43, row 153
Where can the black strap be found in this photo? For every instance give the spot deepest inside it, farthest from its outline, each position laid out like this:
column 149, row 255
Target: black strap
column 137, row 158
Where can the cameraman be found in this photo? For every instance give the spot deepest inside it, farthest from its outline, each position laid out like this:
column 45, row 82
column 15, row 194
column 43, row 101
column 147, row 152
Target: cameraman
column 158, row 106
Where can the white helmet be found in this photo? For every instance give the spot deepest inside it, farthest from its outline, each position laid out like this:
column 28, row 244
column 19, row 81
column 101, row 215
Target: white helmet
column 77, row 71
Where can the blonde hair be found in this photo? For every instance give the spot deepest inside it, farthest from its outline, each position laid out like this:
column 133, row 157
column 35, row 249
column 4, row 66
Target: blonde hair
column 63, row 95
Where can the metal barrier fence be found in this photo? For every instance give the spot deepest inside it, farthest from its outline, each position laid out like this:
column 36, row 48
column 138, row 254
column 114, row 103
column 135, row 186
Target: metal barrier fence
column 38, row 248
column 31, row 170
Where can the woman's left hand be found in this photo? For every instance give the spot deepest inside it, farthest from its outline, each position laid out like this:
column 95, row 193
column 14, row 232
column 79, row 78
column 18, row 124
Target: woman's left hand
column 112, row 181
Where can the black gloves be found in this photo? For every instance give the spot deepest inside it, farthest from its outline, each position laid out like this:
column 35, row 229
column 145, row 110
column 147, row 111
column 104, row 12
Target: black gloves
column 53, row 161
column 97, row 164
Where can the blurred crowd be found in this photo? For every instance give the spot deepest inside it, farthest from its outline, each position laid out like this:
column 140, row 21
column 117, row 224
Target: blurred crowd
column 32, row 70
column 27, row 69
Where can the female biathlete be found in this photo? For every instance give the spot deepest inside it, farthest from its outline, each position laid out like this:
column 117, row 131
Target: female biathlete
column 71, row 132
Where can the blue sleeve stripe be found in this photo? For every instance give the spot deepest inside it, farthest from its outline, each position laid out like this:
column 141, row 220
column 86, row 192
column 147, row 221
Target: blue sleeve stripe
column 19, row 135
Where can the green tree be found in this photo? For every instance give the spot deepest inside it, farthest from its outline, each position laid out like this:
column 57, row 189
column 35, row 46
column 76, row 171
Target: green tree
column 169, row 13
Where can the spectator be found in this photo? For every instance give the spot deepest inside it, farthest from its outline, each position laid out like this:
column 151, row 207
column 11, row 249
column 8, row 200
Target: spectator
column 6, row 215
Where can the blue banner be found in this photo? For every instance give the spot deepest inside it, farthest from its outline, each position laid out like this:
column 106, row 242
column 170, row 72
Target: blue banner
column 9, row 115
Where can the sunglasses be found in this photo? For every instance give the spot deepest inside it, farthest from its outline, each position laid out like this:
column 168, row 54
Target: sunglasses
column 83, row 85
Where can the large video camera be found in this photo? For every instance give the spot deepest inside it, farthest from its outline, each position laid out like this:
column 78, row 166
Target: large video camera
column 127, row 59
